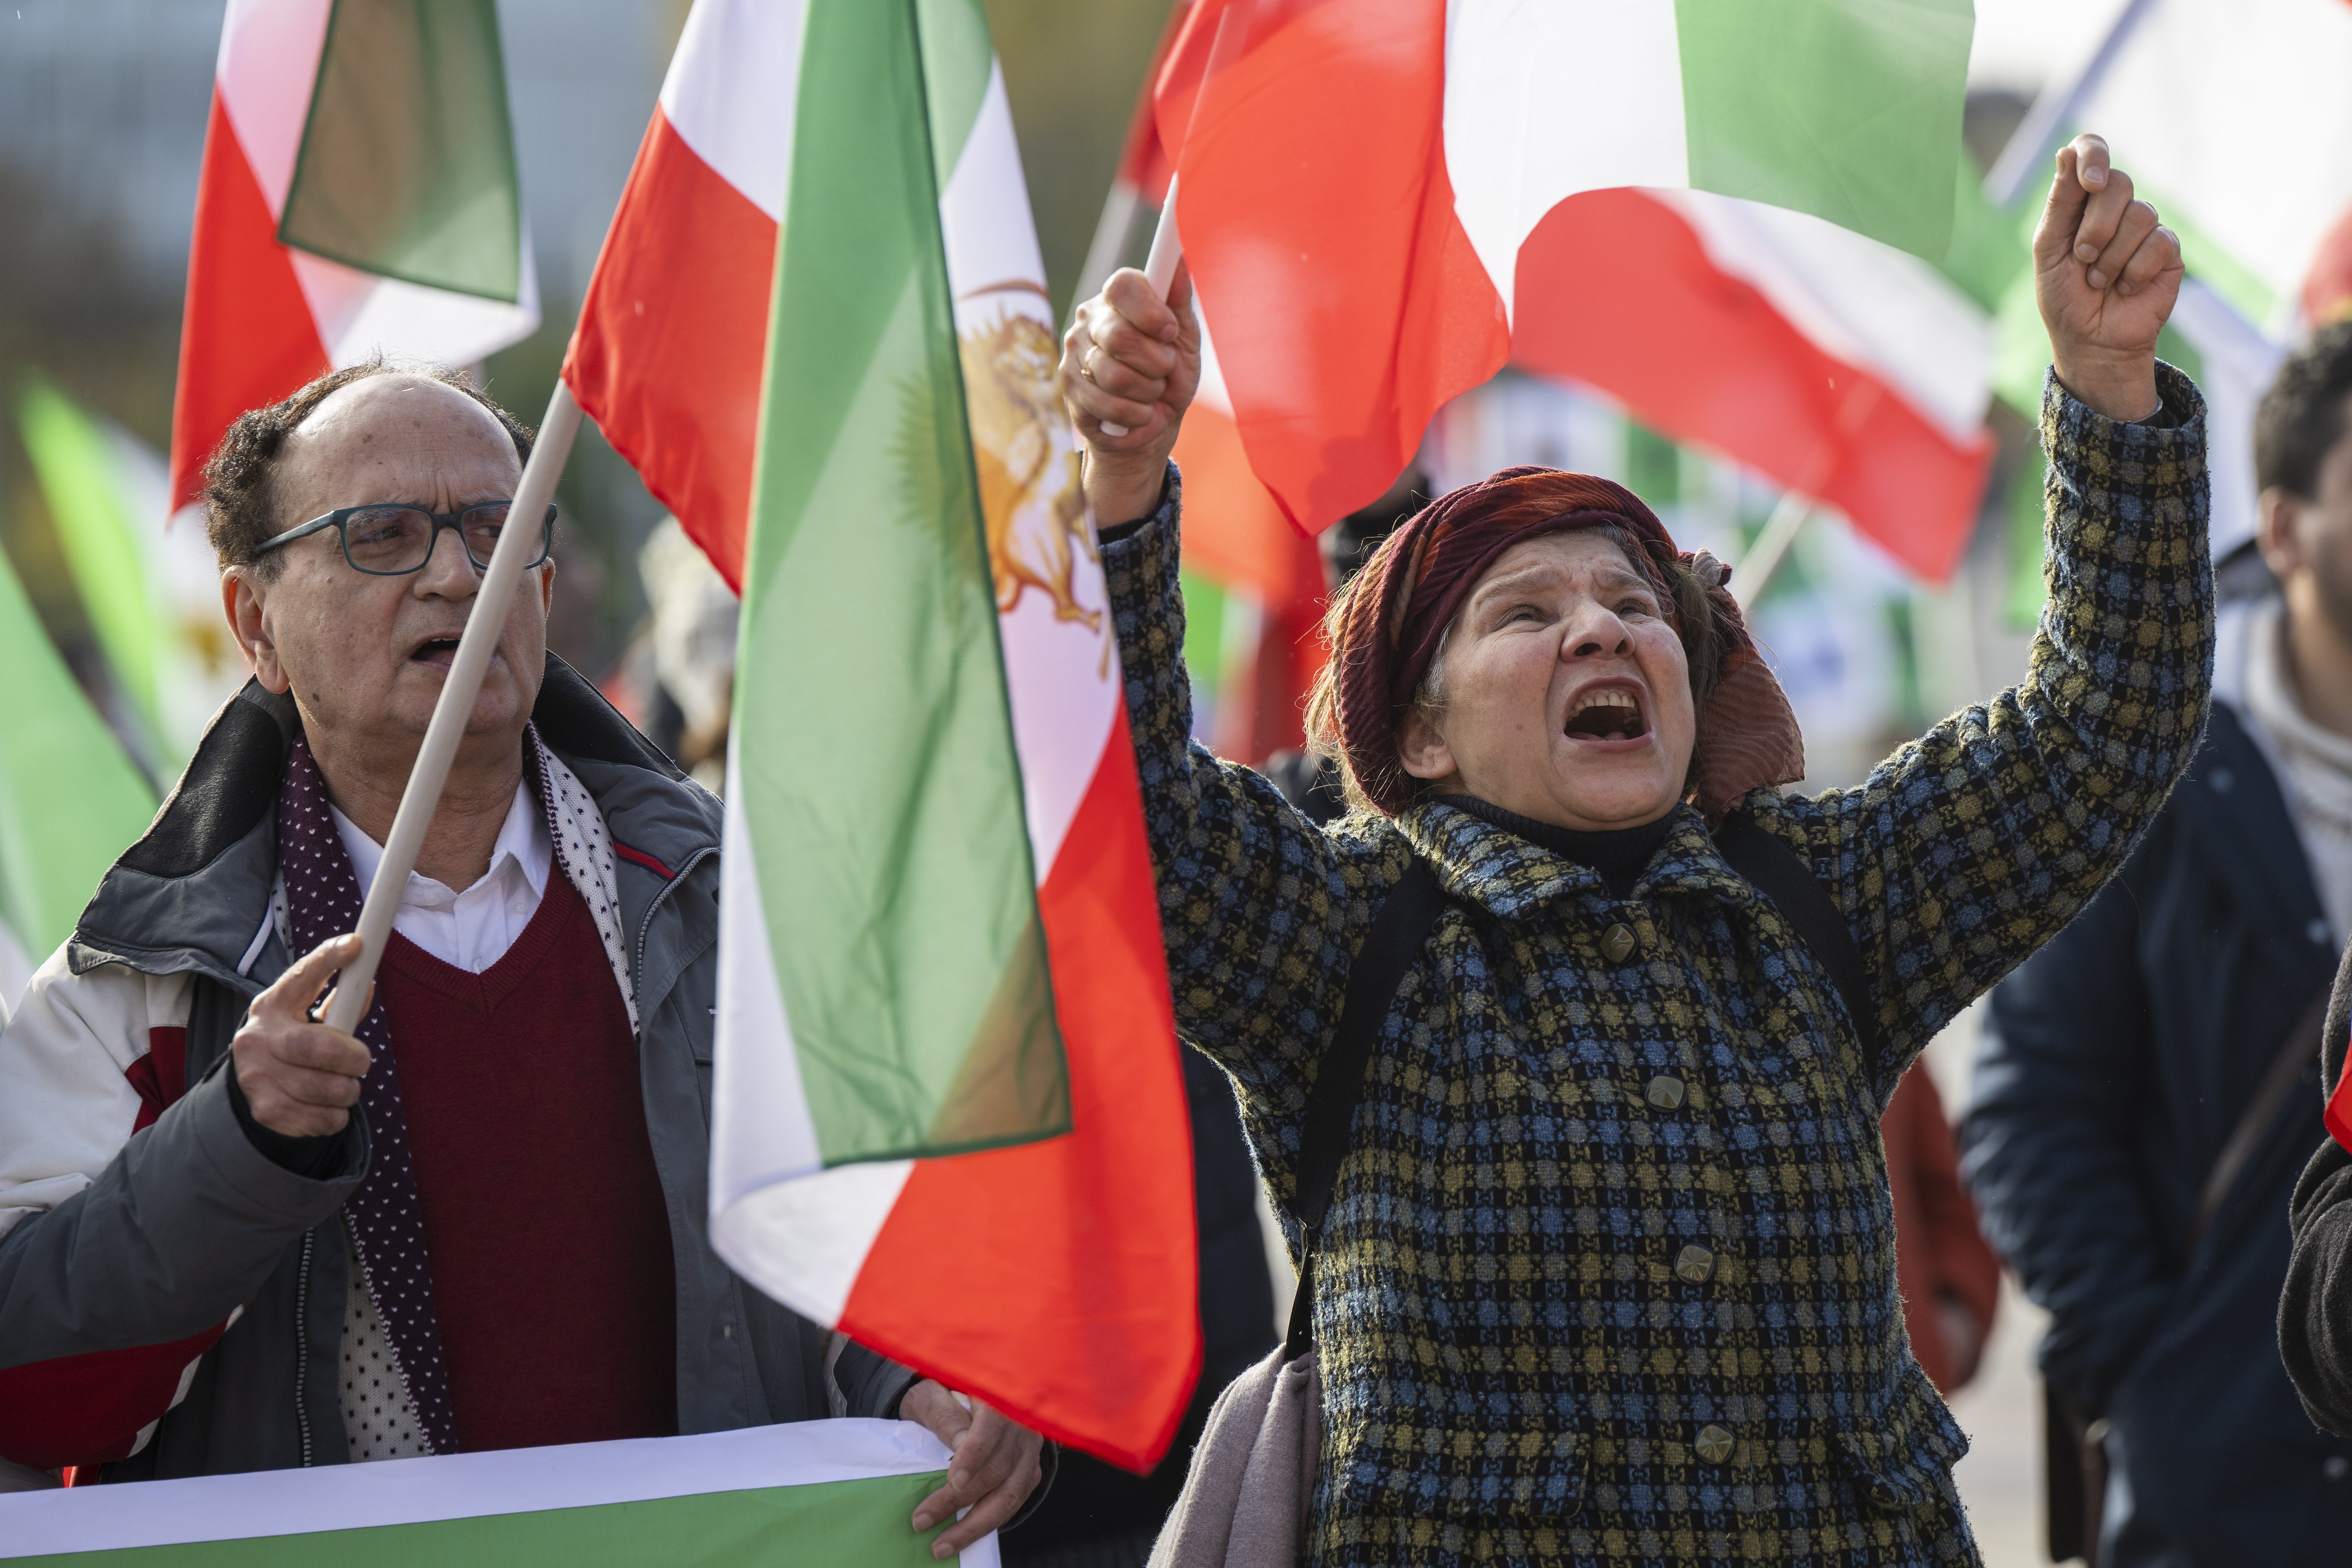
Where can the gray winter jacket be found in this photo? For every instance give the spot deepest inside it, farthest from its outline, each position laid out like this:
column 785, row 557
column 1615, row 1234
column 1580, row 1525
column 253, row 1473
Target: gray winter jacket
column 118, row 1272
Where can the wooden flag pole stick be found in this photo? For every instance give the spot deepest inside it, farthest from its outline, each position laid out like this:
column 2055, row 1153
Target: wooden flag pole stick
column 517, row 543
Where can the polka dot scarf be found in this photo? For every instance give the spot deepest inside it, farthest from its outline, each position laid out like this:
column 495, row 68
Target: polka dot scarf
column 323, row 902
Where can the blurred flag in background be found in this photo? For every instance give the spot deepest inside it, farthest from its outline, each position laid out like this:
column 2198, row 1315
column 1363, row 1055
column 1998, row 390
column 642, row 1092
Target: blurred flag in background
column 70, row 800
column 150, row 583
column 358, row 197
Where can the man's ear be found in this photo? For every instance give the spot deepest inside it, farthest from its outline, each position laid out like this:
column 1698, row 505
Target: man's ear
column 1422, row 749
column 243, row 599
column 2278, row 535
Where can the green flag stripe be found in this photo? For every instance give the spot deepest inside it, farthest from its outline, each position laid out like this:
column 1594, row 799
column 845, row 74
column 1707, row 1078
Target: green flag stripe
column 69, row 799
column 828, row 1525
column 877, row 763
column 407, row 163
column 76, row 468
column 1846, row 109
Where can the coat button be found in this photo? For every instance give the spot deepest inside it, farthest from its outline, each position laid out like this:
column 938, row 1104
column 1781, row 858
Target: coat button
column 1696, row 1265
column 1714, row 1444
column 2336, row 1467
column 1666, row 1092
column 1616, row 942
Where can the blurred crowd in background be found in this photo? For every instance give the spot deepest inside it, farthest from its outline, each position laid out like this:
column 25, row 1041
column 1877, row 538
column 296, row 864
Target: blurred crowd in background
column 102, row 113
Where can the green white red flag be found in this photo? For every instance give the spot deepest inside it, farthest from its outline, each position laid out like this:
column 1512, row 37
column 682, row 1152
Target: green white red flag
column 949, row 1116
column 1763, row 291
column 823, row 1494
column 358, row 196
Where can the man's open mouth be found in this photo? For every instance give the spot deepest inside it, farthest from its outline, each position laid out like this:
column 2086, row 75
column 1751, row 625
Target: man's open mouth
column 1610, row 713
column 437, row 651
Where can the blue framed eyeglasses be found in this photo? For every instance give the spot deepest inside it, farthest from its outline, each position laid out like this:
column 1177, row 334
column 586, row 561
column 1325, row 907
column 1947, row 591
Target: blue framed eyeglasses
column 393, row 539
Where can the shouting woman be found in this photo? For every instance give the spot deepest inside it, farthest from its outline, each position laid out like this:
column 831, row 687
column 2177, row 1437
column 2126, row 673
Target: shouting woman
column 1608, row 1272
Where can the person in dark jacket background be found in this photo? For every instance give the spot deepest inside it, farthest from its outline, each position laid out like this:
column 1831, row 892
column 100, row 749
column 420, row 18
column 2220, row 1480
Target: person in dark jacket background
column 2314, row 1313
column 2122, row 1056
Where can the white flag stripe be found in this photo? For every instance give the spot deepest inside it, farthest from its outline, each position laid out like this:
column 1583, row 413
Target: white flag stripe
column 757, row 1064
column 466, row 1486
column 1060, row 672
column 1517, row 143
column 732, row 90
column 268, row 63
column 804, row 1239
column 359, row 314
column 1878, row 308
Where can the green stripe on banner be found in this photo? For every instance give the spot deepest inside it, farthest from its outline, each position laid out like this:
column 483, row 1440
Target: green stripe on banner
column 1849, row 109
column 828, row 1525
column 877, row 763
column 407, row 165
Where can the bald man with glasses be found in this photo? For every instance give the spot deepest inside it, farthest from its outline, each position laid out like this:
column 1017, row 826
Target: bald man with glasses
column 232, row 1238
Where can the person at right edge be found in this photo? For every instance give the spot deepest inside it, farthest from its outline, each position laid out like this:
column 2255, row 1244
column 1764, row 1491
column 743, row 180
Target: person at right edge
column 2315, row 1308
column 1608, row 1272
column 2142, row 1097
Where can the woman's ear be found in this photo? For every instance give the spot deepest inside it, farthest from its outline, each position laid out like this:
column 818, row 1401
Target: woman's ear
column 1421, row 749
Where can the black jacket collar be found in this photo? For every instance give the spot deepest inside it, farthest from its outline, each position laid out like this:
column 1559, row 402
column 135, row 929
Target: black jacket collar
column 190, row 895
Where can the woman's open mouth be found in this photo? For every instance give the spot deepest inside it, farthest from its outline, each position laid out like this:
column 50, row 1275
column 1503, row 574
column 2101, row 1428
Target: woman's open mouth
column 1607, row 713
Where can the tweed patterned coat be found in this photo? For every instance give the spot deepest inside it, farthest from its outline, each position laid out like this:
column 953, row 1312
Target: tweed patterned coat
column 1609, row 1276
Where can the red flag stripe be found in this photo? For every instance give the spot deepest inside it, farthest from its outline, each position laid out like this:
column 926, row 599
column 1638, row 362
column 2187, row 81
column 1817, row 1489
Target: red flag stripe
column 1318, row 217
column 2339, row 1106
column 86, row 1409
column 1062, row 1267
column 246, row 336
column 672, row 339
column 1615, row 288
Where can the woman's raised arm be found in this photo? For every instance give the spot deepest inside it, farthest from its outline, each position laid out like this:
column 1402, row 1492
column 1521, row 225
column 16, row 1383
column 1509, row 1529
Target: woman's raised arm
column 1262, row 910
column 1970, row 847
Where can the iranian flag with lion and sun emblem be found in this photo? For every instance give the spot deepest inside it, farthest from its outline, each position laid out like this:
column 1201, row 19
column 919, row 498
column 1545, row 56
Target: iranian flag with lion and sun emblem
column 948, row 1114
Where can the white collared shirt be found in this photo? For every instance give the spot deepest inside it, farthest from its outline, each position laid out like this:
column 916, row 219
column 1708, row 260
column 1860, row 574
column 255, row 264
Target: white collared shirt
column 472, row 930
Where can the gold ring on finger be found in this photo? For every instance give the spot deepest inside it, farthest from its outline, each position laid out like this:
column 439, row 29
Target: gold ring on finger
column 1086, row 363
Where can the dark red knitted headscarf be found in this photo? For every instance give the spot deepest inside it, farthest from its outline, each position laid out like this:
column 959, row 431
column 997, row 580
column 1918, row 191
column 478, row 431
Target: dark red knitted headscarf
column 1398, row 608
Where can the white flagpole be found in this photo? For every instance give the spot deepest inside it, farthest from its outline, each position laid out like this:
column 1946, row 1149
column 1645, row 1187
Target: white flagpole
column 1755, row 568
column 517, row 543
column 1159, row 267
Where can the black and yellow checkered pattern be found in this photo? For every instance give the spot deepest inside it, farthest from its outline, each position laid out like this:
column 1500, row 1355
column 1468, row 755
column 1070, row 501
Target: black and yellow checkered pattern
column 1610, row 1274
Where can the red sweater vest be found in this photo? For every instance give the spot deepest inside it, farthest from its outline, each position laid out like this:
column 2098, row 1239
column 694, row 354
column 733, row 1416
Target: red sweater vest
column 544, row 1221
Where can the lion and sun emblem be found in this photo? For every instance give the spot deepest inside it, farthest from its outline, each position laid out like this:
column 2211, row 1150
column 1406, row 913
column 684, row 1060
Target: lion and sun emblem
column 1029, row 493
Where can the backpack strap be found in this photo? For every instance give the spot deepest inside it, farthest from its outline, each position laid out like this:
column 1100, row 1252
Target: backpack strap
column 1778, row 873
column 1398, row 935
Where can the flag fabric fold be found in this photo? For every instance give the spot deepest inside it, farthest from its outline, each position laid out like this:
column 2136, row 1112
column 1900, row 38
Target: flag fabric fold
column 949, row 1116
column 1388, row 262
column 358, row 196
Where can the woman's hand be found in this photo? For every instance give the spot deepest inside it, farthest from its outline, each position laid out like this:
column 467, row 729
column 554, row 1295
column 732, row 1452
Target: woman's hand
column 2106, row 274
column 1133, row 362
